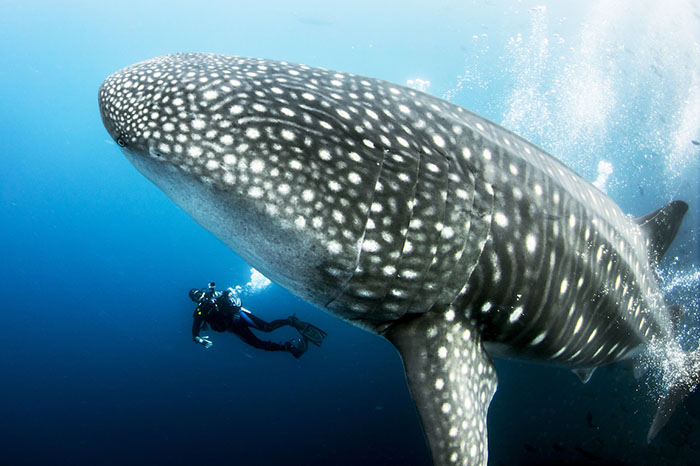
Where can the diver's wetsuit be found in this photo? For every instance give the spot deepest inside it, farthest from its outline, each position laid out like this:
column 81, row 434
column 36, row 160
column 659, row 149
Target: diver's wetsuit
column 218, row 311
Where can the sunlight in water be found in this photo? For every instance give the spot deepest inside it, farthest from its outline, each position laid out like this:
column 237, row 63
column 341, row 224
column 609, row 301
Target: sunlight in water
column 578, row 92
column 257, row 283
column 605, row 169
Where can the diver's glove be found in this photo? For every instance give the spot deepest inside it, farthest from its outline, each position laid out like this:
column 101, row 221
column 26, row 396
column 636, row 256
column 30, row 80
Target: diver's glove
column 204, row 341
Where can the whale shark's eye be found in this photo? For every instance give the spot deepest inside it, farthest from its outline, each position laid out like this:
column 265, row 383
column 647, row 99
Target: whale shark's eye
column 121, row 141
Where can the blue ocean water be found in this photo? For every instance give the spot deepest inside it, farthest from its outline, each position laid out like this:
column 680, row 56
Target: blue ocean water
column 97, row 364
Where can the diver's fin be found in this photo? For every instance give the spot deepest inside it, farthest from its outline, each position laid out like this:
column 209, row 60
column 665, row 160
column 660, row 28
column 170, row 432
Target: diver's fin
column 679, row 388
column 661, row 226
column 309, row 333
column 584, row 374
column 297, row 347
column 452, row 381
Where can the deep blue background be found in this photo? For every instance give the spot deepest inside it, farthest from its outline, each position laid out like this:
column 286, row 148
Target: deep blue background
column 96, row 360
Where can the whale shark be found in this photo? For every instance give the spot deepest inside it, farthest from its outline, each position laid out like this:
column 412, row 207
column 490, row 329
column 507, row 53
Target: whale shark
column 410, row 217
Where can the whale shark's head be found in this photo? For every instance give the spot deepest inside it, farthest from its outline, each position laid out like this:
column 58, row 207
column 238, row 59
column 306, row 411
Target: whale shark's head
column 272, row 158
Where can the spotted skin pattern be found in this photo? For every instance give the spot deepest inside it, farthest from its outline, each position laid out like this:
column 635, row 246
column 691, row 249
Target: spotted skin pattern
column 397, row 211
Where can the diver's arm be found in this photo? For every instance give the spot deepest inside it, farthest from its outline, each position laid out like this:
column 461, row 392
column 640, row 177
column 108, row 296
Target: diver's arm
column 197, row 327
column 197, row 324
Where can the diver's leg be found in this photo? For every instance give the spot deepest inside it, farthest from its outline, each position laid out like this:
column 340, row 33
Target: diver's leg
column 263, row 326
column 244, row 333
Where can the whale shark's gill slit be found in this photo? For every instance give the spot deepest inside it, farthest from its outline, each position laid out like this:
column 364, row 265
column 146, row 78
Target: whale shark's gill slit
column 461, row 192
column 382, row 245
column 446, row 247
column 344, row 298
column 480, row 205
column 405, row 271
column 401, row 175
column 479, row 234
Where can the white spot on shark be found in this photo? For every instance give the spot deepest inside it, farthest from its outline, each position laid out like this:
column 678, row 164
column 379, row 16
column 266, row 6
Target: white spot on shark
column 515, row 315
column 325, row 154
column 538, row 339
column 370, row 246
column 256, row 192
column 501, row 219
column 257, row 166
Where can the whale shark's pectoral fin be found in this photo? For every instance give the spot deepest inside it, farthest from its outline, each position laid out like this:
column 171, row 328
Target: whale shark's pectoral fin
column 452, row 381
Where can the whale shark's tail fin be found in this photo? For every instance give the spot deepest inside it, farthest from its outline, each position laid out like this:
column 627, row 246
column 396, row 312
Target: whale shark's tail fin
column 683, row 382
column 452, row 381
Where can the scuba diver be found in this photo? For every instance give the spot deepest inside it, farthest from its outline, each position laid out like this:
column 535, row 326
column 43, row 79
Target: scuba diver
column 222, row 312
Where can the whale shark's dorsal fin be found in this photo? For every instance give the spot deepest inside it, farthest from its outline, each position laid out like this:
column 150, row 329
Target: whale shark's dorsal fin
column 661, row 226
column 452, row 381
